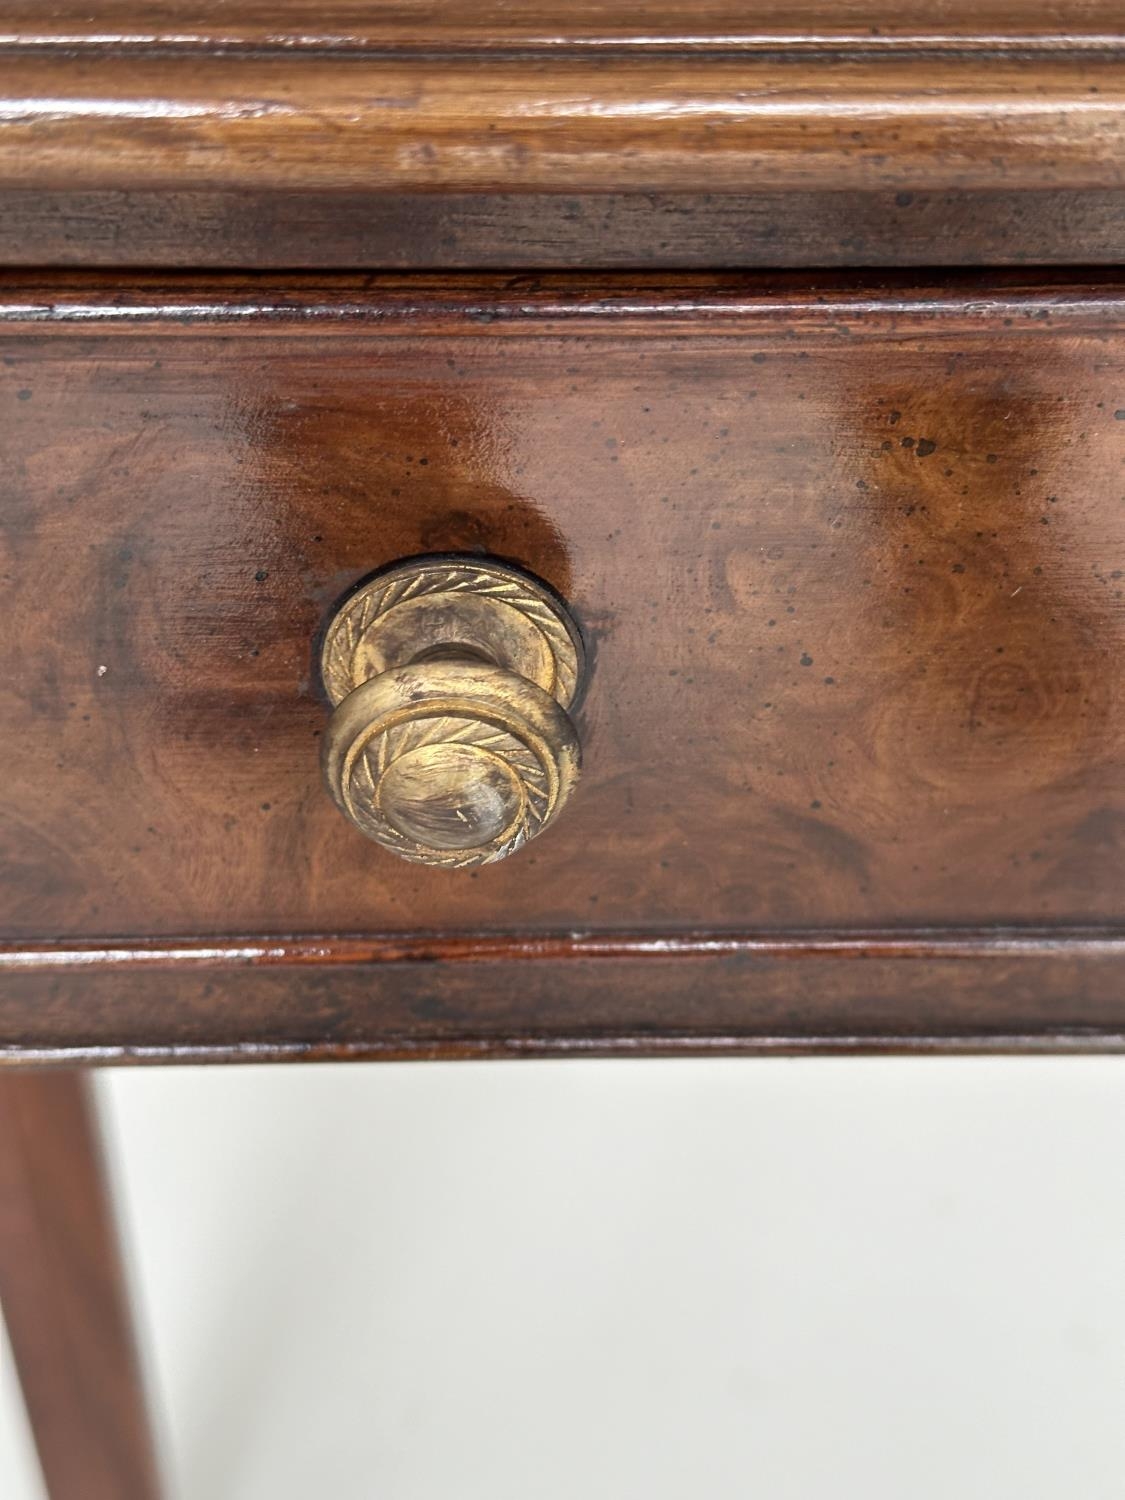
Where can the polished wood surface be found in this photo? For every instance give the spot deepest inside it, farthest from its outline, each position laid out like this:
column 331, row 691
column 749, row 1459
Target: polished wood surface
column 847, row 557
column 423, row 135
column 623, row 994
column 568, row 123
column 487, row 24
column 848, row 560
column 63, row 1296
column 846, row 564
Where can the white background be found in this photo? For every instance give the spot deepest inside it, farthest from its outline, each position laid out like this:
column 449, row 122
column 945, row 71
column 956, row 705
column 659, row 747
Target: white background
column 576, row 1281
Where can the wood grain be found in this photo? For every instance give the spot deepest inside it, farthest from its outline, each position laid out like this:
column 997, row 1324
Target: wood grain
column 847, row 562
column 449, row 25
column 381, row 999
column 557, row 231
column 848, row 558
column 343, row 950
column 156, row 122
column 423, row 135
column 63, row 1294
column 475, row 307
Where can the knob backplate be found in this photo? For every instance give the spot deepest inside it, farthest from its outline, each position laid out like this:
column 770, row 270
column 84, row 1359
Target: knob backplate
column 454, row 606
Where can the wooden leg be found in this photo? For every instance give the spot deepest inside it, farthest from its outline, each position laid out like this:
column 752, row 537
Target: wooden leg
column 63, row 1294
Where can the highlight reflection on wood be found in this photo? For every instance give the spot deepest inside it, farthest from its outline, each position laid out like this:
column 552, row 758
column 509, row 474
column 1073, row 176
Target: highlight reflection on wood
column 848, row 563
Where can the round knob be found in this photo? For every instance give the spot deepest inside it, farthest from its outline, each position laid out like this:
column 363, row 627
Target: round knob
column 450, row 743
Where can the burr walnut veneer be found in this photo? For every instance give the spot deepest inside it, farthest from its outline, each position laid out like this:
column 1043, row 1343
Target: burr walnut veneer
column 777, row 351
column 848, row 560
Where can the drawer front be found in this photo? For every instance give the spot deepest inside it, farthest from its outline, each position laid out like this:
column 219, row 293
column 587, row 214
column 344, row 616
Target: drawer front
column 849, row 566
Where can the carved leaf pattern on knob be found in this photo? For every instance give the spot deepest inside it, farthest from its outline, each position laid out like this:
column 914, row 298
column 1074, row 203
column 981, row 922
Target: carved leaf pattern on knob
column 483, row 580
column 533, row 789
column 450, row 744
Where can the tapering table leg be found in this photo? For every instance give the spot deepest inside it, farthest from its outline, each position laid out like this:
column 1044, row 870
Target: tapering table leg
column 63, row 1293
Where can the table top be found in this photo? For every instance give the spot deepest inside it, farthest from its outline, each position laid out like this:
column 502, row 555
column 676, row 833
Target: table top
column 430, row 25
column 422, row 135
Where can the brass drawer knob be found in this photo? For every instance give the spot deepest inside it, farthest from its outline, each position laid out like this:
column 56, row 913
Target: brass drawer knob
column 450, row 677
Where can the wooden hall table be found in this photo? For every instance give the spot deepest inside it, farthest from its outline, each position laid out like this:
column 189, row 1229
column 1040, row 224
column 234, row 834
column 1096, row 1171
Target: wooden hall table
column 526, row 534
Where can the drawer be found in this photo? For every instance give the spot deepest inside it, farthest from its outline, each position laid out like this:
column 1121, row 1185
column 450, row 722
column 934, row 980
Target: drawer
column 849, row 566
